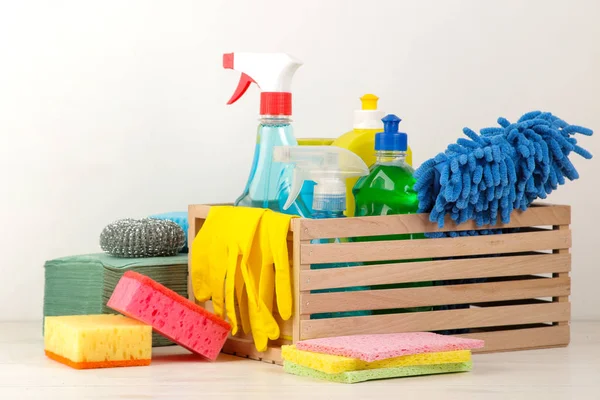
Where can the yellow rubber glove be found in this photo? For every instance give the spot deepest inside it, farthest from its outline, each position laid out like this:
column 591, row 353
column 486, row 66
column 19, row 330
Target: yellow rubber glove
column 233, row 258
column 219, row 256
column 261, row 268
column 270, row 248
column 263, row 324
column 247, row 222
column 200, row 251
column 242, row 300
column 214, row 256
column 279, row 227
column 266, row 282
column 230, row 283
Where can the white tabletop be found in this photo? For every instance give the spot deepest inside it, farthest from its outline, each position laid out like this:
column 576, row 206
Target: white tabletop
column 564, row 373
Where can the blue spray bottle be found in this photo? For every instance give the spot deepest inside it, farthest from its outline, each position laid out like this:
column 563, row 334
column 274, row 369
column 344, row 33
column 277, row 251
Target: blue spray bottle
column 328, row 167
column 269, row 183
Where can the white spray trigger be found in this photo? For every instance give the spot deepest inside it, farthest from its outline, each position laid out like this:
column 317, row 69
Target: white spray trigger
column 327, row 166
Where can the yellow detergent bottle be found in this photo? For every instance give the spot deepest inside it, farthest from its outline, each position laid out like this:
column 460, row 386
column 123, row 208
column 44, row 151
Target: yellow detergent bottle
column 361, row 140
column 315, row 141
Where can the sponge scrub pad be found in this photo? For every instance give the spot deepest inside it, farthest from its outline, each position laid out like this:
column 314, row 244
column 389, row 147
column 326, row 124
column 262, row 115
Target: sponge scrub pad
column 382, row 346
column 97, row 341
column 372, row 374
column 331, row 364
column 170, row 314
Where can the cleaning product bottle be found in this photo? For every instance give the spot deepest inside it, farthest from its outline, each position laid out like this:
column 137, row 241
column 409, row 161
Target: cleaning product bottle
column 315, row 141
column 361, row 140
column 268, row 184
column 388, row 189
column 328, row 167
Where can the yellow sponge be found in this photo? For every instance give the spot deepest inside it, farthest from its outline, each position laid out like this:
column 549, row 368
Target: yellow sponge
column 97, row 341
column 331, row 364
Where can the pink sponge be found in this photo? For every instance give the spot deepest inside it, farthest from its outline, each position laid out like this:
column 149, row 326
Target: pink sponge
column 379, row 347
column 170, row 314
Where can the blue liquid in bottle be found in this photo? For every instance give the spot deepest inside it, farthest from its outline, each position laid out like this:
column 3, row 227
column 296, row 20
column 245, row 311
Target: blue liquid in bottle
column 269, row 182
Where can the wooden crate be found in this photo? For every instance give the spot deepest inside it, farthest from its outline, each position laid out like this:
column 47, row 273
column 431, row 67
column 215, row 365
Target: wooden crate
column 520, row 300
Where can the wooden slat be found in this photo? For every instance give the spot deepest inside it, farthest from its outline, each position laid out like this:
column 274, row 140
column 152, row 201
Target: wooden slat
column 418, row 223
column 522, row 339
column 197, row 214
column 298, row 268
column 191, row 237
column 432, row 248
column 433, row 296
column 286, row 328
column 561, row 299
column 195, row 220
column 198, row 211
column 246, row 349
column 424, row 271
column 436, row 320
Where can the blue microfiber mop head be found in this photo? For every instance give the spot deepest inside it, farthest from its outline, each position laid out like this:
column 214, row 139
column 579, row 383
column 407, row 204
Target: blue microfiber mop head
column 502, row 169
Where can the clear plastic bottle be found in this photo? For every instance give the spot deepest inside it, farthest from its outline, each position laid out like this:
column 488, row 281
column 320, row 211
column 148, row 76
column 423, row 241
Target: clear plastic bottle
column 328, row 167
column 269, row 181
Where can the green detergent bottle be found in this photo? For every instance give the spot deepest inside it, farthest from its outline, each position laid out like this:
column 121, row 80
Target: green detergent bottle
column 388, row 190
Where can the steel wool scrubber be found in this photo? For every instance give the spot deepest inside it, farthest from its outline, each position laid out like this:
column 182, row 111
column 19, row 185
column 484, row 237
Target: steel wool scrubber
column 147, row 237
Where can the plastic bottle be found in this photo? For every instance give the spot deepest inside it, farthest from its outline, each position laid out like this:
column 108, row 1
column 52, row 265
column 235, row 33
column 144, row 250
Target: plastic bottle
column 328, row 167
column 361, row 140
column 268, row 183
column 388, row 189
column 315, row 141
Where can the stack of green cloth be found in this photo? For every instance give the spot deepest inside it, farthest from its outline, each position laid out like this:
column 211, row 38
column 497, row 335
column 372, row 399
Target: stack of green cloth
column 82, row 284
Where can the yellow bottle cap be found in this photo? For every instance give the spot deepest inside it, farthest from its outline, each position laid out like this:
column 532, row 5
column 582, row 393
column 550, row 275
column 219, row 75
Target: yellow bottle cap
column 369, row 102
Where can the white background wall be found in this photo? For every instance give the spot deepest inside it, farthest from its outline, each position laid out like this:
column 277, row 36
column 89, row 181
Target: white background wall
column 113, row 109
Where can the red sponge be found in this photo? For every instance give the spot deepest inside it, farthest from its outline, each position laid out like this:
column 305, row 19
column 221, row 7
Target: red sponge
column 170, row 314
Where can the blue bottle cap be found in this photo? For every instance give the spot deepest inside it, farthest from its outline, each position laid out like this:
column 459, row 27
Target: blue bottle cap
column 390, row 139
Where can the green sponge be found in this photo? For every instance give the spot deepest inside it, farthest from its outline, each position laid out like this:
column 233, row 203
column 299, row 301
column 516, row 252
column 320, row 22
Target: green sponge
column 380, row 373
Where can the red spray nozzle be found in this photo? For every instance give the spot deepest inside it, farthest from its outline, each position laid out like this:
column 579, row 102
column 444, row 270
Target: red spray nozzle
column 228, row 60
column 242, row 86
column 244, row 82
